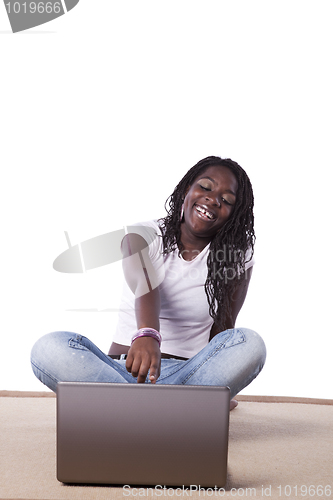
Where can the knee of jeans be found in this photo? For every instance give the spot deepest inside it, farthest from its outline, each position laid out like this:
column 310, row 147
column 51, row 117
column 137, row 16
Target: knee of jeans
column 46, row 344
column 257, row 345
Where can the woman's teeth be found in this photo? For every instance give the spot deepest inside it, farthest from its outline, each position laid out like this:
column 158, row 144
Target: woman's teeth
column 204, row 212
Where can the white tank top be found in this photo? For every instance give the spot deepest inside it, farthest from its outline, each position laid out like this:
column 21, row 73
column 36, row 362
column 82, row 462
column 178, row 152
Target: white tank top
column 185, row 322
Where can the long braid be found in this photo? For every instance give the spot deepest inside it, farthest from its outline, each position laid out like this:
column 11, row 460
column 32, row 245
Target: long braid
column 229, row 247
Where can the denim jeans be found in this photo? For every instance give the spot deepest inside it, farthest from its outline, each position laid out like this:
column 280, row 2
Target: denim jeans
column 232, row 358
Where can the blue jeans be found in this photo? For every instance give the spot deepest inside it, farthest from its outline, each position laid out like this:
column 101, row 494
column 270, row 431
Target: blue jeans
column 232, row 358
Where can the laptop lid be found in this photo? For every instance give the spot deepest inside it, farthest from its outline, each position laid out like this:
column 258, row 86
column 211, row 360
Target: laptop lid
column 142, row 434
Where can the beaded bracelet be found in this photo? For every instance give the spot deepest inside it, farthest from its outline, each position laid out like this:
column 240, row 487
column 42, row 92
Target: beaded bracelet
column 148, row 332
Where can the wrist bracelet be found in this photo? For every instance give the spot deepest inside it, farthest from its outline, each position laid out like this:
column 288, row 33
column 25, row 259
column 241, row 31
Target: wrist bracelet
column 148, row 332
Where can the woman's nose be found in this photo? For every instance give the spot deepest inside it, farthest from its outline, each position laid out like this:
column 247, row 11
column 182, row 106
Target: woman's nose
column 214, row 199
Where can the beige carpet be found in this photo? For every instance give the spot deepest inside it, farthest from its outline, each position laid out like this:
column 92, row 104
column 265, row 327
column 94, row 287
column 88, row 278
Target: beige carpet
column 278, row 448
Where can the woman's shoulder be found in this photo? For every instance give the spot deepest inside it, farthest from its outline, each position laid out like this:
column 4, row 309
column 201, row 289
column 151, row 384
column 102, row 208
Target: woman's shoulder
column 151, row 234
column 149, row 230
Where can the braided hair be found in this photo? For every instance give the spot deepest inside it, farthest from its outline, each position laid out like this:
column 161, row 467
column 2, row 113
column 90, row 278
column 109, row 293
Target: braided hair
column 231, row 247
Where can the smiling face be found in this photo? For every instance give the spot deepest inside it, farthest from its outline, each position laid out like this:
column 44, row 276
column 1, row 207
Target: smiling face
column 208, row 204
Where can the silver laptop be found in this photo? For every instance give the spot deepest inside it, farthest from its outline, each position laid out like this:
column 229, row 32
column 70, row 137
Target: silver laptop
column 142, row 434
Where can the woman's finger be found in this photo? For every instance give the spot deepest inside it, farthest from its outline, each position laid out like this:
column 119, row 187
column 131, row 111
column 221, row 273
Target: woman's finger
column 129, row 362
column 142, row 372
column 154, row 370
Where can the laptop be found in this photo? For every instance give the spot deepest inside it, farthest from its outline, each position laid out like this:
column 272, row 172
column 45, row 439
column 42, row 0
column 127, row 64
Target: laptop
column 142, row 434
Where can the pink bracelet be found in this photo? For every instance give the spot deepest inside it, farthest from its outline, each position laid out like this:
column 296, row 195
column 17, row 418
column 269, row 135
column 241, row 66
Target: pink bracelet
column 148, row 332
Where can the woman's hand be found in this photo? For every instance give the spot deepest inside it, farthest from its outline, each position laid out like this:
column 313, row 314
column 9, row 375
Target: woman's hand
column 144, row 355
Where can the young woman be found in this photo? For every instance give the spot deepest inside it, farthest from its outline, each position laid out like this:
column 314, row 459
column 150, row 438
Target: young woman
column 187, row 277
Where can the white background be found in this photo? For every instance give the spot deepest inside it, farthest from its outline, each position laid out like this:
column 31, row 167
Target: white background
column 104, row 110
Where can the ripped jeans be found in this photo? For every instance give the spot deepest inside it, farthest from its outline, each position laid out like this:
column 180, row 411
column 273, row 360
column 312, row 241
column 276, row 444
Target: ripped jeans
column 232, row 358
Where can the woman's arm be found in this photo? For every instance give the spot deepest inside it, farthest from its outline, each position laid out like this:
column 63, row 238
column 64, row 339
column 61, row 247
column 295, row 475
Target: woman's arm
column 144, row 355
column 237, row 302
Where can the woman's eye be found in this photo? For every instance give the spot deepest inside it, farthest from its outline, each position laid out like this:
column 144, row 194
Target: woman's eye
column 206, row 188
column 226, row 201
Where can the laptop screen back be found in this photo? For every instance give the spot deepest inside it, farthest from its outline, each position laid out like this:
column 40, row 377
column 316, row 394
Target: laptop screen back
column 142, row 434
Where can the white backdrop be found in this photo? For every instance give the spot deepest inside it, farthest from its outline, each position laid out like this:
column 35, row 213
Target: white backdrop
column 103, row 111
